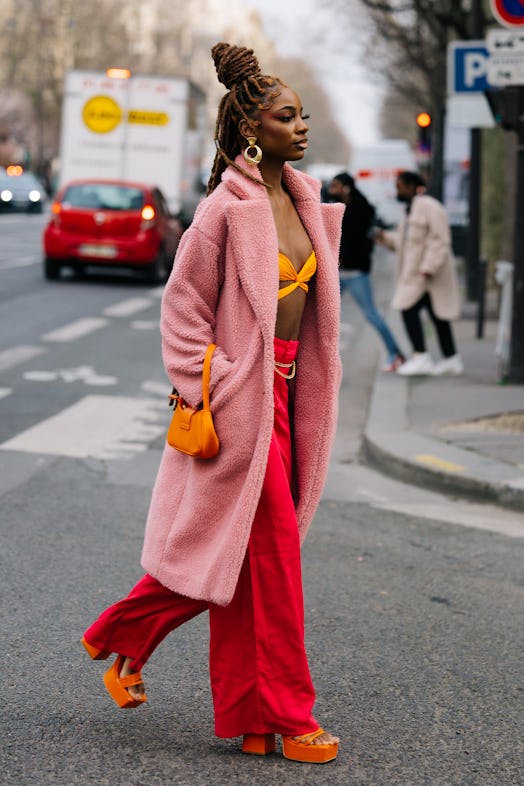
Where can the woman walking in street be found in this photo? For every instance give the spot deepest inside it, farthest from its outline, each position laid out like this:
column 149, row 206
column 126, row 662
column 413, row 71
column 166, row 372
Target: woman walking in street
column 255, row 274
column 426, row 277
column 356, row 250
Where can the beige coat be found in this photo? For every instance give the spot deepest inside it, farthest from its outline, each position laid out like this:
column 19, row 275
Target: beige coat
column 423, row 245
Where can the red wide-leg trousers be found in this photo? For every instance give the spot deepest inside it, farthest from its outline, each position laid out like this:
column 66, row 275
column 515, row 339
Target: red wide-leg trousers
column 259, row 672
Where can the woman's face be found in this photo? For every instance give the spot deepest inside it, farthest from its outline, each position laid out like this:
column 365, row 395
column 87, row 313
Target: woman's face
column 282, row 131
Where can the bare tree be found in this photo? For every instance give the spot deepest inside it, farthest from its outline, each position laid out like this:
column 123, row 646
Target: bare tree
column 42, row 39
column 412, row 36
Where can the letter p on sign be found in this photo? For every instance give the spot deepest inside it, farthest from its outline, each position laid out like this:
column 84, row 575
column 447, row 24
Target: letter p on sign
column 475, row 67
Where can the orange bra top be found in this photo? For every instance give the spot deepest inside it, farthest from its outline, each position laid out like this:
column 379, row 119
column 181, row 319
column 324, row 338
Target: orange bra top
column 298, row 278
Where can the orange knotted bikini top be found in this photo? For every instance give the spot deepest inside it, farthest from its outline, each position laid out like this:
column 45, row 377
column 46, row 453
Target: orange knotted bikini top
column 299, row 278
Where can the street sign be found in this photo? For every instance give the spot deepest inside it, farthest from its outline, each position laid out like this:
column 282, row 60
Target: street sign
column 467, row 67
column 509, row 13
column 468, row 111
column 501, row 41
column 504, row 70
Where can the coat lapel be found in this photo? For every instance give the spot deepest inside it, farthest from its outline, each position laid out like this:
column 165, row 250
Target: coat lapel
column 254, row 241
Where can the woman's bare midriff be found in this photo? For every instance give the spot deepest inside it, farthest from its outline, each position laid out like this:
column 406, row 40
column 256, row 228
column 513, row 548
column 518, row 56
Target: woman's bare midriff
column 289, row 314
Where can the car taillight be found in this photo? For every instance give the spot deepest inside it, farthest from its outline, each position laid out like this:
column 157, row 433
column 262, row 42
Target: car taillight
column 148, row 217
column 56, row 209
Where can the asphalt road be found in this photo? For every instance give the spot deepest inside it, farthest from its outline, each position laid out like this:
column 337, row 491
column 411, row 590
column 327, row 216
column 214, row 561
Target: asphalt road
column 414, row 620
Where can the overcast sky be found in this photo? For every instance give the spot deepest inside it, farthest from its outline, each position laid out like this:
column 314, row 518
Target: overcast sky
column 298, row 28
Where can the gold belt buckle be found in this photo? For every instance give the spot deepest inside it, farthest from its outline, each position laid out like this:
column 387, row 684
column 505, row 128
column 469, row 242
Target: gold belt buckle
column 291, row 366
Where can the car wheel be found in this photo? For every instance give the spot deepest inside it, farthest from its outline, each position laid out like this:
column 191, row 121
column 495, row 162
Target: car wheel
column 51, row 269
column 158, row 271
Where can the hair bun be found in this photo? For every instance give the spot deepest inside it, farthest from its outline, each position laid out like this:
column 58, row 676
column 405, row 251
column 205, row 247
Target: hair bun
column 234, row 64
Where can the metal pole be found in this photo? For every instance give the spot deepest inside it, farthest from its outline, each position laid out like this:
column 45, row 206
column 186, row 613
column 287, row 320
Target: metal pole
column 516, row 352
column 481, row 291
column 473, row 247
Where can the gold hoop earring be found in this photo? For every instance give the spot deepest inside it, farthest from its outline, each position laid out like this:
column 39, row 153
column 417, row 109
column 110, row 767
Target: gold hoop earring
column 257, row 158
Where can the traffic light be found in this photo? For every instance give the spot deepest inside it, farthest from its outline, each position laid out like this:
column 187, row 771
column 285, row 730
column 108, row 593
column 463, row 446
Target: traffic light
column 506, row 106
column 424, row 132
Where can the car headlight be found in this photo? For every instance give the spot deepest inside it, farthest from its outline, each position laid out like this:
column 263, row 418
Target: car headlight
column 34, row 196
column 6, row 195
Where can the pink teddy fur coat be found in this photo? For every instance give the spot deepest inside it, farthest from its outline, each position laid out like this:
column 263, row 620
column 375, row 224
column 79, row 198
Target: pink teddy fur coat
column 223, row 289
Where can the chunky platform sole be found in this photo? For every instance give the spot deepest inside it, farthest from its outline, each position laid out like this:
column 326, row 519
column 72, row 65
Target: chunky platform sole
column 259, row 744
column 94, row 652
column 304, row 749
column 301, row 748
column 117, row 686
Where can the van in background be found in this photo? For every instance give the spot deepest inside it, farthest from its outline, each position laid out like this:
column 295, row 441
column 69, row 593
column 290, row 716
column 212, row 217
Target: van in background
column 375, row 169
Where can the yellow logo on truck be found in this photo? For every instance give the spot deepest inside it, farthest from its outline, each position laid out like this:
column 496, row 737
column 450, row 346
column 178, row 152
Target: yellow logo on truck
column 148, row 118
column 101, row 114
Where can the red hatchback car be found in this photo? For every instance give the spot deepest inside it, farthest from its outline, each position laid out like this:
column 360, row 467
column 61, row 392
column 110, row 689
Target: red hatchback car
column 111, row 223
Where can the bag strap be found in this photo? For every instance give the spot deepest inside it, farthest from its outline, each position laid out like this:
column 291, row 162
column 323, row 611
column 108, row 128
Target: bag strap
column 206, row 373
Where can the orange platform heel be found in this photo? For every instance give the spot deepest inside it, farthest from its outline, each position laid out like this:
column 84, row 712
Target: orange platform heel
column 303, row 748
column 259, row 744
column 94, row 652
column 116, row 685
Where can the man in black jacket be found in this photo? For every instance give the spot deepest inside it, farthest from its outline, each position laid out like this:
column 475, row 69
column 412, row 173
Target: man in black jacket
column 356, row 248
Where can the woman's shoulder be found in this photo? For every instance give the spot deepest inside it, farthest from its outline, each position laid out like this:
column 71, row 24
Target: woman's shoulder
column 210, row 215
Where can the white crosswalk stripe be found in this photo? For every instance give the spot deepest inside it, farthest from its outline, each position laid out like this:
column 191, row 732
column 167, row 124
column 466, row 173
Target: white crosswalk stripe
column 127, row 308
column 103, row 427
column 76, row 329
column 16, row 355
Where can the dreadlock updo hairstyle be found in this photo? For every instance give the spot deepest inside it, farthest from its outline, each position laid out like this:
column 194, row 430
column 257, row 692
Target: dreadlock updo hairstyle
column 249, row 92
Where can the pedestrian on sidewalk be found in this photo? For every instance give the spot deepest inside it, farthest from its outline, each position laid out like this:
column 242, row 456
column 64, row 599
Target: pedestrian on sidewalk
column 356, row 249
column 223, row 535
column 426, row 276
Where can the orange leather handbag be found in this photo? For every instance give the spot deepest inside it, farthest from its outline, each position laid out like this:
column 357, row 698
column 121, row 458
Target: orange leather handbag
column 192, row 430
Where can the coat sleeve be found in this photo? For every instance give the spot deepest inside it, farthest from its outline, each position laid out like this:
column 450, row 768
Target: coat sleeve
column 187, row 321
column 437, row 246
column 391, row 239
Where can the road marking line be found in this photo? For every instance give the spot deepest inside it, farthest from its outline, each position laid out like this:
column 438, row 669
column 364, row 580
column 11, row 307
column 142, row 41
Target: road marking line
column 128, row 307
column 41, row 376
column 103, row 427
column 9, row 264
column 160, row 388
column 435, row 461
column 143, row 324
column 85, row 374
column 4, row 392
column 16, row 355
column 76, row 329
column 157, row 292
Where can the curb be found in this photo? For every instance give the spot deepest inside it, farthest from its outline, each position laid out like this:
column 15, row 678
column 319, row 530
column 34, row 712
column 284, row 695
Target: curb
column 391, row 447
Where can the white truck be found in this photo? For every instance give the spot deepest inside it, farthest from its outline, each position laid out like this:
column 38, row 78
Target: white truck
column 375, row 170
column 148, row 129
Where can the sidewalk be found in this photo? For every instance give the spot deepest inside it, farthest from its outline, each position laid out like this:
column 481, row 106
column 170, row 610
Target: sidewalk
column 460, row 435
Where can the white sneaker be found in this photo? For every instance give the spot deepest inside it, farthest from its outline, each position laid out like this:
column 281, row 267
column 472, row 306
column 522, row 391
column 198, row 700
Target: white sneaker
column 452, row 366
column 418, row 365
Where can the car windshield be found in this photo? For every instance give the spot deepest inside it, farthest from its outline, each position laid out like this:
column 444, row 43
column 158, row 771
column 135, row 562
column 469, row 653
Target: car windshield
column 26, row 177
column 27, row 180
column 103, row 196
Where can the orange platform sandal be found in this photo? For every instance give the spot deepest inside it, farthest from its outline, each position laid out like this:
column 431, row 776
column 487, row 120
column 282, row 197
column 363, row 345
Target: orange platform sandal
column 94, row 652
column 117, row 685
column 259, row 744
column 303, row 748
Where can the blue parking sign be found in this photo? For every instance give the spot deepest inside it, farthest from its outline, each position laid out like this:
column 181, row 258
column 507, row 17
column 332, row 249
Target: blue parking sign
column 467, row 67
